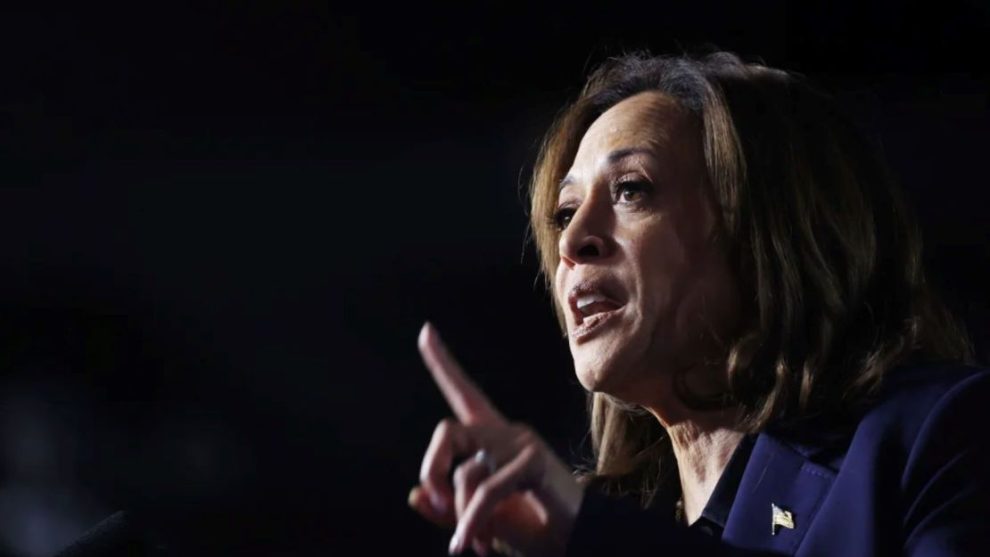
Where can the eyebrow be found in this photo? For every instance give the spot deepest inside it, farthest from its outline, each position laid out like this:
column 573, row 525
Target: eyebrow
column 612, row 158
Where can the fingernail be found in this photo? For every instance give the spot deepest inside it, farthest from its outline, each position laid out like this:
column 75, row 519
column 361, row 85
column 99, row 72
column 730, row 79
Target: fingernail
column 423, row 332
column 413, row 495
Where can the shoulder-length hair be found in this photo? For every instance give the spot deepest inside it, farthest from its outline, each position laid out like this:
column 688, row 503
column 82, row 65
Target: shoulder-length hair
column 826, row 252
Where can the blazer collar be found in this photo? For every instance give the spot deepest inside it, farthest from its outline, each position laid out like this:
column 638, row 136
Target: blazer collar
column 777, row 475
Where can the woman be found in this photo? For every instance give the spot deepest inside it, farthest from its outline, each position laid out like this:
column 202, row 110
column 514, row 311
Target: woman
column 742, row 291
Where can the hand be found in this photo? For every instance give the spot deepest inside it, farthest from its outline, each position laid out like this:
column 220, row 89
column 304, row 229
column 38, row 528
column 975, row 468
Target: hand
column 514, row 494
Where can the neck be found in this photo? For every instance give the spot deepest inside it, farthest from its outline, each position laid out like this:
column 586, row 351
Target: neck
column 703, row 440
column 703, row 443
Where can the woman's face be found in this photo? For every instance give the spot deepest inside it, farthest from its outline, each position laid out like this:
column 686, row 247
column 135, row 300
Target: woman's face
column 644, row 289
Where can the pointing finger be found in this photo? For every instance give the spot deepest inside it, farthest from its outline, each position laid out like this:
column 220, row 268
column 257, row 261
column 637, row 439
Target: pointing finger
column 467, row 401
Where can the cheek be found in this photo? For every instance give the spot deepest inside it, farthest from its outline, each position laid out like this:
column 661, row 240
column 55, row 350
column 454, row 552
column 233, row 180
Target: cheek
column 681, row 288
column 709, row 305
column 661, row 270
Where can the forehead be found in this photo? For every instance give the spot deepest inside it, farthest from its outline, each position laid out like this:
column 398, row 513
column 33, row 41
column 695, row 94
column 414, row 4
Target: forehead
column 647, row 119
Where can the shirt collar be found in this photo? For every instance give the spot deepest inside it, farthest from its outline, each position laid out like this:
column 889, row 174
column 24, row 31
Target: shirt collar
column 720, row 502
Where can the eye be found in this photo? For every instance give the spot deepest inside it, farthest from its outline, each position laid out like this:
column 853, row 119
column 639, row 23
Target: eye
column 562, row 217
column 631, row 191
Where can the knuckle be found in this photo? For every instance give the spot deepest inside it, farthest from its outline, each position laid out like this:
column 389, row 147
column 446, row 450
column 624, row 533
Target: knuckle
column 434, row 468
column 430, row 473
column 427, row 476
column 435, row 475
column 530, row 452
column 483, row 493
column 444, row 428
column 536, row 463
column 528, row 441
column 534, row 459
column 493, row 488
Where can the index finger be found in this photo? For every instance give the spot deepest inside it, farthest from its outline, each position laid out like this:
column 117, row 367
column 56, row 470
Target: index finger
column 467, row 401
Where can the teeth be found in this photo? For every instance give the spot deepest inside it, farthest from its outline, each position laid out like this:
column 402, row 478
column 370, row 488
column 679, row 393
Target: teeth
column 588, row 299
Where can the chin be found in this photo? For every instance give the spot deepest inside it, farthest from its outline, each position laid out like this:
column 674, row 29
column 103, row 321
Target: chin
column 614, row 366
column 590, row 379
column 601, row 376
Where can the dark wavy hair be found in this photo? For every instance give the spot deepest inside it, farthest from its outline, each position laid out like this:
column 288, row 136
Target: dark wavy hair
column 827, row 254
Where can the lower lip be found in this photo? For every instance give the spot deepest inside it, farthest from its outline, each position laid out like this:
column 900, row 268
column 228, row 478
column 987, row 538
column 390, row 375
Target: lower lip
column 592, row 325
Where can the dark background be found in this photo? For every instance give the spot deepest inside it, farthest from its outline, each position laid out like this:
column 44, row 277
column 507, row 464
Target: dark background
column 222, row 226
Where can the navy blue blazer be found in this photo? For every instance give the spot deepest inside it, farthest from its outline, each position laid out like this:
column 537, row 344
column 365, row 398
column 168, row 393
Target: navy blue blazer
column 912, row 477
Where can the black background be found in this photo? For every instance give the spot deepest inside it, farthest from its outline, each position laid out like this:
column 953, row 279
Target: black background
column 224, row 223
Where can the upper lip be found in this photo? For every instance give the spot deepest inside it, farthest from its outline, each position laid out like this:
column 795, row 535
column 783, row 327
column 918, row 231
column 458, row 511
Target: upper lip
column 606, row 287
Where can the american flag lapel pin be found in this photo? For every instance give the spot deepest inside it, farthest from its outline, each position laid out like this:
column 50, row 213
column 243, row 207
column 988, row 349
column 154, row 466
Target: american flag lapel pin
column 780, row 518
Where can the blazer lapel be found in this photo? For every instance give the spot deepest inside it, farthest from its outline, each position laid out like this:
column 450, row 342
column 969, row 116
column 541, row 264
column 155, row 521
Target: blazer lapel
column 777, row 499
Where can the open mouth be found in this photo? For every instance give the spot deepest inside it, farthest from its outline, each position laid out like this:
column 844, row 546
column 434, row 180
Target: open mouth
column 593, row 323
column 589, row 305
column 593, row 304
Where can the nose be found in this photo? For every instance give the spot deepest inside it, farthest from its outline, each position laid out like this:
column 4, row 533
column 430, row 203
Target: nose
column 586, row 237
